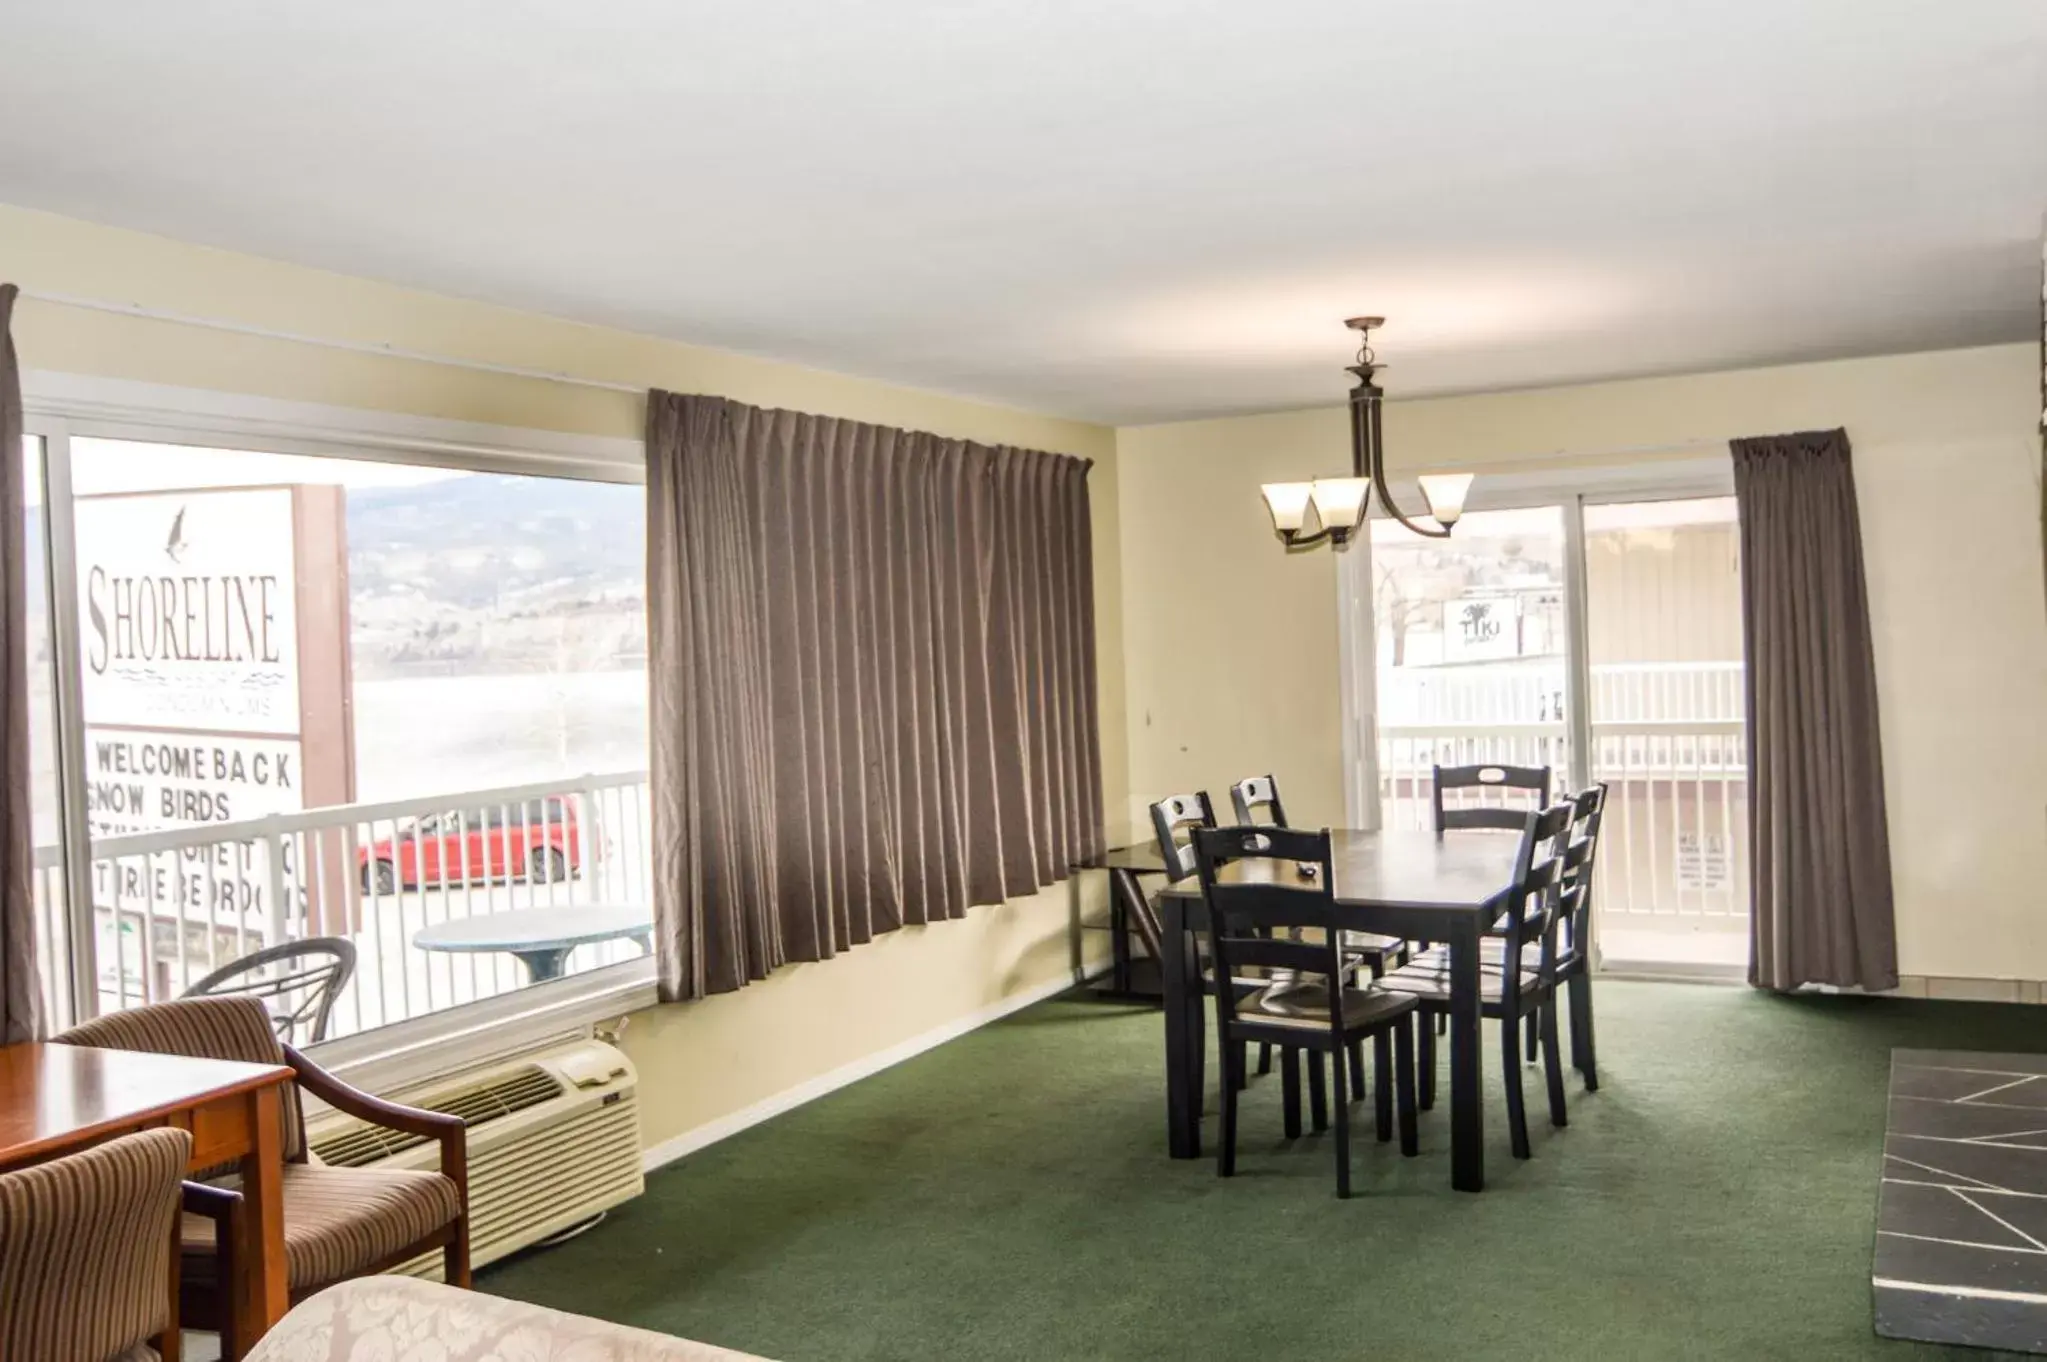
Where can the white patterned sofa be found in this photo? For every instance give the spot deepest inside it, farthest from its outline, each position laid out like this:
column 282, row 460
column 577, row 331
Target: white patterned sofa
column 384, row 1319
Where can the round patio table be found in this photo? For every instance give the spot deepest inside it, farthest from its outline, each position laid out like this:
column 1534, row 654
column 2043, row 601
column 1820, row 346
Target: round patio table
column 540, row 937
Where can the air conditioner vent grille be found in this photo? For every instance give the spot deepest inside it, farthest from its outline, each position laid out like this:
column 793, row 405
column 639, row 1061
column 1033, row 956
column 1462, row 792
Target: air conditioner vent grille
column 478, row 1104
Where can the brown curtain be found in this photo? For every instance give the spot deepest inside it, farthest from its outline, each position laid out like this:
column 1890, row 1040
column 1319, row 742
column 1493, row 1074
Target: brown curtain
column 873, row 673
column 1820, row 888
column 19, row 995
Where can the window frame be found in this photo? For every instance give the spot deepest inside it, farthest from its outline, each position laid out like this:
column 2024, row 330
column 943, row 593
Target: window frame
column 59, row 407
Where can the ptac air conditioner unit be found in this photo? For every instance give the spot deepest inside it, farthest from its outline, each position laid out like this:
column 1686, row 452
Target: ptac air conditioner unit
column 554, row 1138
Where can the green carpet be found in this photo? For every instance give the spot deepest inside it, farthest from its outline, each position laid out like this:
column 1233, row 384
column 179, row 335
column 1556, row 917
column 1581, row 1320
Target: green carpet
column 1008, row 1196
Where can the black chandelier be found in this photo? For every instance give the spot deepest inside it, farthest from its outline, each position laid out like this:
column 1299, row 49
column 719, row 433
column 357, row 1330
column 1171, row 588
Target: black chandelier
column 1341, row 504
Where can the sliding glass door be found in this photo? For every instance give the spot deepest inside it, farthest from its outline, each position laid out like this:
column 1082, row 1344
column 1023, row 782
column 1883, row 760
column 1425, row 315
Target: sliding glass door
column 1663, row 637
column 1601, row 638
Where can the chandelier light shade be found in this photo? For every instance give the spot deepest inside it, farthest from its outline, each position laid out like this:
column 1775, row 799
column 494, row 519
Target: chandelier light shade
column 1341, row 504
column 1341, row 501
column 1288, row 502
column 1445, row 493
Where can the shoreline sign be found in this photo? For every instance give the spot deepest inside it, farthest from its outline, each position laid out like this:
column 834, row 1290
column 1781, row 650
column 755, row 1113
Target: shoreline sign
column 214, row 634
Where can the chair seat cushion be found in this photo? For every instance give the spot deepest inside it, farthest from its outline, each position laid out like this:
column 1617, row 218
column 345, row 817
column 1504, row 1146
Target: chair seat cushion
column 341, row 1221
column 1427, row 979
column 1371, row 943
column 1306, row 1004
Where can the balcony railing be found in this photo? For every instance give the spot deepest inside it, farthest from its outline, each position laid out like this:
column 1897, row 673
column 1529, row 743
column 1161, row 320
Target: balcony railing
column 1673, row 852
column 170, row 907
column 1668, row 740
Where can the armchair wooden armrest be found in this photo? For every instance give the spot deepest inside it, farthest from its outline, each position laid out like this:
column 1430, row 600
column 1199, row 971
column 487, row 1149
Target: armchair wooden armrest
column 450, row 1131
column 224, row 1208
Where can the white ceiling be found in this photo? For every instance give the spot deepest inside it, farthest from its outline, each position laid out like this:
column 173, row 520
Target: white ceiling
column 1127, row 211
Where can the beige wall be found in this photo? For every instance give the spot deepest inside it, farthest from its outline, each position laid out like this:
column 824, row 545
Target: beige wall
column 703, row 1061
column 1231, row 644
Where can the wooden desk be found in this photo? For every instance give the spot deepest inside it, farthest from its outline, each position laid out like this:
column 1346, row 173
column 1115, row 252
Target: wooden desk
column 1420, row 886
column 58, row 1099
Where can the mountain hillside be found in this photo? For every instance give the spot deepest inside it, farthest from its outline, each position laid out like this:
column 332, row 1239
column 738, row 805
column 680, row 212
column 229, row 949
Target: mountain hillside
column 486, row 573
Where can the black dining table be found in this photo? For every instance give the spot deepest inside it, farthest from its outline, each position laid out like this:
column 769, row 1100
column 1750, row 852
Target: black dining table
column 1420, row 886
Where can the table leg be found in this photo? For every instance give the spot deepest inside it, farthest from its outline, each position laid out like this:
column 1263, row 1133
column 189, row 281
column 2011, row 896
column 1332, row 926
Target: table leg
column 1119, row 930
column 1137, row 913
column 264, row 1291
column 542, row 965
column 1180, row 979
column 1467, row 1068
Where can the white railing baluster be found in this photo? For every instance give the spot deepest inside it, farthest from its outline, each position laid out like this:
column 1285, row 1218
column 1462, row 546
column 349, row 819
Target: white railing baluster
column 149, row 990
column 273, row 849
column 1625, row 785
column 393, row 920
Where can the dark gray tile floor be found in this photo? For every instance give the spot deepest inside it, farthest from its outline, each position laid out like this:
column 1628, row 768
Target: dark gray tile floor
column 1961, row 1238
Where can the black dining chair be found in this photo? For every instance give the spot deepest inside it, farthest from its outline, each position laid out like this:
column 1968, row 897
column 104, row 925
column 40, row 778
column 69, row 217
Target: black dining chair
column 1254, row 795
column 1497, row 814
column 1268, row 915
column 1485, row 779
column 1574, row 934
column 1173, row 821
column 1510, row 989
column 297, row 982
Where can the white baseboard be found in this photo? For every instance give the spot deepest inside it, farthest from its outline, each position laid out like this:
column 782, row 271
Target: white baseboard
column 1951, row 989
column 690, row 1141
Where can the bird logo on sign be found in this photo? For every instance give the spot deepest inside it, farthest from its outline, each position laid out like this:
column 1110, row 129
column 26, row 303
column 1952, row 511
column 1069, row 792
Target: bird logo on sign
column 174, row 545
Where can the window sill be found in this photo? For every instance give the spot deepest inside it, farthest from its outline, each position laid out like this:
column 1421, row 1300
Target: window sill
column 410, row 1052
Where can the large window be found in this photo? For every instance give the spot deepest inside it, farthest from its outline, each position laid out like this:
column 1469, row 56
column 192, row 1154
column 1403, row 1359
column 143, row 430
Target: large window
column 397, row 705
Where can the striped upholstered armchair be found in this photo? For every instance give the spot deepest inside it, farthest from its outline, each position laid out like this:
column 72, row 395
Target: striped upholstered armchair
column 85, row 1251
column 338, row 1222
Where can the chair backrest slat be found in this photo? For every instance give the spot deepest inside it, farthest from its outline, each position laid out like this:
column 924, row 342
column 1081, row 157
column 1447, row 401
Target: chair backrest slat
column 1491, row 776
column 1172, row 814
column 1271, row 953
column 1254, row 795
